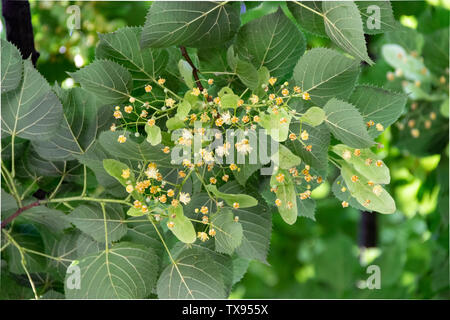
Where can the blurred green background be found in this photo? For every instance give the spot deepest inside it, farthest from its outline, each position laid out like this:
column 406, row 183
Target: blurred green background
column 312, row 259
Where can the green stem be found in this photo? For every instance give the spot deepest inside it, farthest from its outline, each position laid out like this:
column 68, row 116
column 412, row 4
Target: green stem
column 22, row 262
column 13, row 186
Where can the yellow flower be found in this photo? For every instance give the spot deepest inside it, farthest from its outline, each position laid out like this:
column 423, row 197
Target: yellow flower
column 132, row 100
column 240, row 102
column 181, row 174
column 306, row 96
column 166, row 149
column 204, row 210
column 344, row 204
column 170, row 193
column 161, row 81
column 213, row 180
column 144, row 209
column 148, row 88
column 196, row 92
column 126, row 173
column 279, row 100
column 113, row 127
column 225, row 177
column 343, row 189
column 219, row 122
column 357, row 152
column 285, row 92
column 379, row 127
column 278, row 202
column 210, row 81
column 129, row 188
column 143, row 114
column 379, row 163
column 304, row 135
column 234, row 119
column 128, row 109
column 245, row 119
column 170, row 102
column 117, row 114
column 216, row 100
column 272, row 80
column 170, row 224
column 377, row 189
column 137, row 204
column 151, row 122
column 122, row 138
column 280, row 177
column 233, row 167
column 370, row 123
column 297, row 89
column 355, row 178
column 254, row 99
column 212, row 232
column 202, row 236
column 205, row 219
column 163, row 198
column 308, row 148
column 256, row 118
column 236, row 205
column 174, row 202
column 292, row 136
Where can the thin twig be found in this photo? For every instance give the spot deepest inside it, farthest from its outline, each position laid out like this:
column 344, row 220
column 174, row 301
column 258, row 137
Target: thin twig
column 194, row 70
column 18, row 212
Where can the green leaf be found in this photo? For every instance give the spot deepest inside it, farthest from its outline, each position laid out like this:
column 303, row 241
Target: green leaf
column 271, row 122
column 346, row 124
column 115, row 169
column 319, row 140
column 408, row 38
column 272, row 41
column 122, row 46
column 284, row 158
column 379, row 105
column 375, row 21
column 256, row 224
column 309, row 20
column 362, row 191
column 132, row 150
column 285, row 191
column 34, row 263
column 183, row 109
column 229, row 233
column 11, row 66
column 229, row 101
column 341, row 192
column 30, row 111
column 8, row 204
column 89, row 219
column 247, row 73
column 192, row 24
column 124, row 271
column 346, row 32
column 144, row 233
column 244, row 200
column 174, row 123
column 46, row 220
column 195, row 274
column 183, row 228
column 245, row 171
column 186, row 72
column 377, row 173
column 107, row 80
column 325, row 73
column 77, row 130
column 314, row 116
column 153, row 134
column 435, row 53
column 412, row 67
